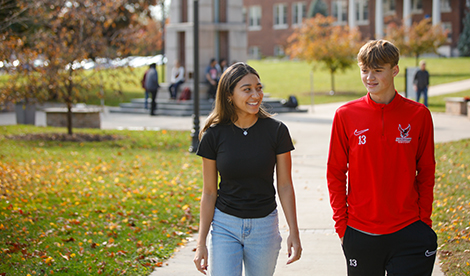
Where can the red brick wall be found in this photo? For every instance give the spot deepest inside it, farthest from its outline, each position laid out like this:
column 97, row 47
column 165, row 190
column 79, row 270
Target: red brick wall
column 268, row 37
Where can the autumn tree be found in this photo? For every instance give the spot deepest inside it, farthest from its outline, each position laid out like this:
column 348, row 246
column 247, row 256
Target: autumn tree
column 422, row 37
column 319, row 40
column 70, row 32
column 12, row 15
column 149, row 38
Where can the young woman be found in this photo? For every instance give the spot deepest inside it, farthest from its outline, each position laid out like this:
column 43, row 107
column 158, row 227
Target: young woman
column 243, row 144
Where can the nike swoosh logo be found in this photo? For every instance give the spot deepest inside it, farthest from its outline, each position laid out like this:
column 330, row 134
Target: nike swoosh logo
column 357, row 133
column 429, row 253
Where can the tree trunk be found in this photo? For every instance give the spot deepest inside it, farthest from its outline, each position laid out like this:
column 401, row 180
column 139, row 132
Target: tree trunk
column 417, row 60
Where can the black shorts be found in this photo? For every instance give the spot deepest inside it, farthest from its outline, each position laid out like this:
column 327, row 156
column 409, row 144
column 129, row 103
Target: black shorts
column 409, row 251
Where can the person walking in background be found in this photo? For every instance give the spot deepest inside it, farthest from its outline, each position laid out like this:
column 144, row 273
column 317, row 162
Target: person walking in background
column 380, row 174
column 211, row 79
column 177, row 78
column 421, row 82
column 151, row 87
column 243, row 144
column 221, row 67
column 143, row 86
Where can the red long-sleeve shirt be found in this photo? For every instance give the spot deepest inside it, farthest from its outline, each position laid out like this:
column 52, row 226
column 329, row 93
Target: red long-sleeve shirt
column 381, row 165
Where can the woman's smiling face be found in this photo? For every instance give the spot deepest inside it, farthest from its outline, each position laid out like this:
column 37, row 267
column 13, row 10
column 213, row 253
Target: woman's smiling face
column 247, row 95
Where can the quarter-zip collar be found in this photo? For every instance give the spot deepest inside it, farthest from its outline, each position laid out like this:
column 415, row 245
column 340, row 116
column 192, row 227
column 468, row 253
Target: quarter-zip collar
column 396, row 100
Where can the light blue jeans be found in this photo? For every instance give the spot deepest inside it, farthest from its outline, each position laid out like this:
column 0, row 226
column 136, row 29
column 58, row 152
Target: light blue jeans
column 253, row 242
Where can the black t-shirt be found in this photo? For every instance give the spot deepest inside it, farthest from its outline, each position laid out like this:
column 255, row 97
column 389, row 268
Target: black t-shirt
column 246, row 165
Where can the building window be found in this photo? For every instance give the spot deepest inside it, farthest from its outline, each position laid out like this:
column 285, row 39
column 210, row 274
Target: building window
column 362, row 12
column 279, row 51
column 416, row 6
column 445, row 6
column 447, row 26
column 254, row 20
column 244, row 14
column 254, row 52
column 280, row 16
column 390, row 7
column 299, row 12
column 340, row 11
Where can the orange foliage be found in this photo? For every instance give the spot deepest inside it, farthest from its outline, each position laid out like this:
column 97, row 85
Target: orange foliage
column 422, row 37
column 62, row 35
column 319, row 40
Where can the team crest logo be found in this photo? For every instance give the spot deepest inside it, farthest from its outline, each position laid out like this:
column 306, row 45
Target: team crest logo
column 404, row 133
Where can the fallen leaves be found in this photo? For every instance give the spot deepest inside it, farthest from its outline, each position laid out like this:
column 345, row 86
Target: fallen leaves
column 101, row 210
column 451, row 213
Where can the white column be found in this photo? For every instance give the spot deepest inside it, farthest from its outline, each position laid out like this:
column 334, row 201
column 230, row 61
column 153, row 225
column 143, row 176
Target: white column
column 379, row 19
column 407, row 13
column 436, row 12
column 352, row 14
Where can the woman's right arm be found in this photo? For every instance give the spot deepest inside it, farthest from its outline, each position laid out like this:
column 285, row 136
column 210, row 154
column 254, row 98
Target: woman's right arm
column 208, row 198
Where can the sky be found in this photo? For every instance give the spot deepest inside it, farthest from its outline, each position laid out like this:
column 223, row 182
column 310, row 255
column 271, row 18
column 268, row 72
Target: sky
column 156, row 10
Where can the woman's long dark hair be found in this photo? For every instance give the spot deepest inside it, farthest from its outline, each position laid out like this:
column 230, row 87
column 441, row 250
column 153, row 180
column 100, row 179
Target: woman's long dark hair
column 224, row 111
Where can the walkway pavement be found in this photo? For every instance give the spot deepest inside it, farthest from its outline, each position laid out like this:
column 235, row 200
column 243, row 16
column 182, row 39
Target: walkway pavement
column 322, row 253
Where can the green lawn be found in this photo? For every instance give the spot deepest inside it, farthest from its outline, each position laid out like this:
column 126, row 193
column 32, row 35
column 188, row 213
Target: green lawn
column 283, row 78
column 123, row 206
column 451, row 214
column 129, row 80
column 111, row 208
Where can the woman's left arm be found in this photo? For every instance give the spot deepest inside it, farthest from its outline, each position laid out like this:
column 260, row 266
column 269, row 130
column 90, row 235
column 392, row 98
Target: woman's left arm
column 285, row 190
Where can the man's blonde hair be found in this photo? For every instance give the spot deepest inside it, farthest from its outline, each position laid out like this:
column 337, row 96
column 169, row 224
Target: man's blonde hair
column 376, row 53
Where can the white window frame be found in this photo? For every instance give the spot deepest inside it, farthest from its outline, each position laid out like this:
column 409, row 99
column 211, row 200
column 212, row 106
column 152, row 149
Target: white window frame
column 254, row 18
column 279, row 51
column 362, row 12
column 280, row 16
column 415, row 7
column 446, row 6
column 254, row 52
column 339, row 10
column 447, row 26
column 390, row 7
column 299, row 13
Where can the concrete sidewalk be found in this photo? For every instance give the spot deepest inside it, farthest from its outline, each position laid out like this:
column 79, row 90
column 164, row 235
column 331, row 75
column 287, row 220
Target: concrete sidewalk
column 447, row 88
column 322, row 253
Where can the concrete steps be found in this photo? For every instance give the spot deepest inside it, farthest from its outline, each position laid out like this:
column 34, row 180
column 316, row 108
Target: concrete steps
column 168, row 107
column 185, row 108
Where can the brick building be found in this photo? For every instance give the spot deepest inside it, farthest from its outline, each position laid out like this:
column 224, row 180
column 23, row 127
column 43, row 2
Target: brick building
column 271, row 22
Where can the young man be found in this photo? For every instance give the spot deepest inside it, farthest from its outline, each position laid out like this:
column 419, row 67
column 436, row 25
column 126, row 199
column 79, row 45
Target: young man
column 421, row 82
column 381, row 174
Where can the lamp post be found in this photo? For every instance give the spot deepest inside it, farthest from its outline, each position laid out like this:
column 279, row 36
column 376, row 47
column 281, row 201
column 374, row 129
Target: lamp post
column 163, row 40
column 195, row 130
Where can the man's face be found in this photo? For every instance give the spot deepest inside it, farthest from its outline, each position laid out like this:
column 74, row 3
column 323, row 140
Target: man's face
column 423, row 66
column 378, row 80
